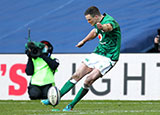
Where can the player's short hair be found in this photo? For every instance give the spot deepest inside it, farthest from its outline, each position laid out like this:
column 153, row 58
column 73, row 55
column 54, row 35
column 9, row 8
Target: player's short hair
column 92, row 11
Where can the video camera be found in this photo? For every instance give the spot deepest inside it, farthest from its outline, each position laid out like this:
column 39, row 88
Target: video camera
column 32, row 48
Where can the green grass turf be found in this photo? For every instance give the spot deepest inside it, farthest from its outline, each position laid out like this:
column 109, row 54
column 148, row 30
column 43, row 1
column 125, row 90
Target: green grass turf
column 84, row 107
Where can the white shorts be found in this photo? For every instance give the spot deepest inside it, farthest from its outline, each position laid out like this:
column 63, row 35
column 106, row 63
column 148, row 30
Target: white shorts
column 102, row 63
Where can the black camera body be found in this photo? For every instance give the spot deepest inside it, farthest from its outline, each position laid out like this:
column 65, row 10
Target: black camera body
column 34, row 49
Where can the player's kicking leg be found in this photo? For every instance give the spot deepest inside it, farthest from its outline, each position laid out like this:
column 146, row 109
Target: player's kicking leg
column 92, row 76
column 79, row 74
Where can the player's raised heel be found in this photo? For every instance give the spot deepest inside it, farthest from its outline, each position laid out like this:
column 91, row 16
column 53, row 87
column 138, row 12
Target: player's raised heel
column 68, row 108
column 45, row 102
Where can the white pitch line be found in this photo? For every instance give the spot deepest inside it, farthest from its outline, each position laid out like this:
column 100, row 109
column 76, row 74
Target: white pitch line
column 126, row 103
column 133, row 111
column 18, row 103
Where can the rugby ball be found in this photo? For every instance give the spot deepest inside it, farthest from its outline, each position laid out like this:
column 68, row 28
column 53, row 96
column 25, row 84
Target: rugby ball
column 54, row 95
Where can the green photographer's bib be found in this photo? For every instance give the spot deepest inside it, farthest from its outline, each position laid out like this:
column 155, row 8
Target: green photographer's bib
column 43, row 75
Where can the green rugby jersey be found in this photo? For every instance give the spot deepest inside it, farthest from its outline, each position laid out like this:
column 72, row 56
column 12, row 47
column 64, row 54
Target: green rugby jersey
column 109, row 42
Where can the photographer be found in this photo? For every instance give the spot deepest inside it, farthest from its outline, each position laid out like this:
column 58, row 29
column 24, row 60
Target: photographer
column 42, row 67
column 157, row 42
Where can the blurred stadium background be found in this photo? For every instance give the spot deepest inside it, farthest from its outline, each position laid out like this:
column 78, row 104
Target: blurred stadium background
column 62, row 22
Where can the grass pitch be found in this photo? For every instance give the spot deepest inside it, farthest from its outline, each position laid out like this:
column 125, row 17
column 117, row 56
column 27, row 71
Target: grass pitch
column 84, row 107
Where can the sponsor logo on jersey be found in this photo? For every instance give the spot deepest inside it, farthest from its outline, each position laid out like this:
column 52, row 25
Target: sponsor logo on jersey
column 100, row 37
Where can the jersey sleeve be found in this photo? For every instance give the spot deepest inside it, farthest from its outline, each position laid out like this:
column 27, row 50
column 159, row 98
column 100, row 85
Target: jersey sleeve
column 113, row 23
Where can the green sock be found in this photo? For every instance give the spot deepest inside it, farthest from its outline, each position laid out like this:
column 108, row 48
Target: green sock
column 81, row 93
column 67, row 86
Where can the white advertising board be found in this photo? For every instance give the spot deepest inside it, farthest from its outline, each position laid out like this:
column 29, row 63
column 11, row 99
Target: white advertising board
column 134, row 77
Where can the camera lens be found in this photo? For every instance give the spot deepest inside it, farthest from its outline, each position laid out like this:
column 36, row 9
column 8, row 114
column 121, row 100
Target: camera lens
column 34, row 51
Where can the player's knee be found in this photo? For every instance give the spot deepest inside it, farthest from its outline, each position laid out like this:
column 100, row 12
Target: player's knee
column 34, row 94
column 88, row 82
column 76, row 77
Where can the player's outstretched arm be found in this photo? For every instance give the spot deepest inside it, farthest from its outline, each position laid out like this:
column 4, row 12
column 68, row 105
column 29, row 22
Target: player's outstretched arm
column 90, row 36
column 105, row 27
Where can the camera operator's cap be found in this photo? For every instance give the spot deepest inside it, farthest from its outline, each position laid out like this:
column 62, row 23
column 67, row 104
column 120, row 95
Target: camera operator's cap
column 50, row 47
